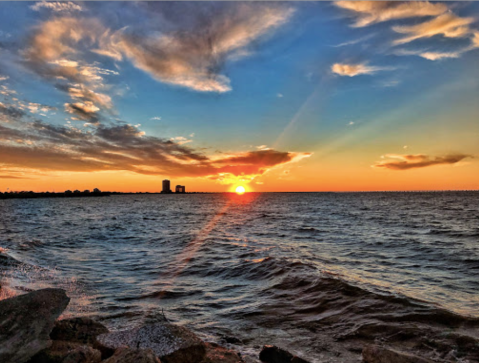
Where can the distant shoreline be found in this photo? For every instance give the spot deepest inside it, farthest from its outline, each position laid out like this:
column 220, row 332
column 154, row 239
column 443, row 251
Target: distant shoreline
column 33, row 195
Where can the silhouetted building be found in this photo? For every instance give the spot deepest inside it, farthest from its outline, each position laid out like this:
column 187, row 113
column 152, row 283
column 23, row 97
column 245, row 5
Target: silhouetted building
column 180, row 189
column 166, row 186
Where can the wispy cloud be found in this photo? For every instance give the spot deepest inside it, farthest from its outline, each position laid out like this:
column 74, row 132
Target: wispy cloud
column 370, row 12
column 441, row 22
column 352, row 70
column 355, row 41
column 448, row 25
column 405, row 162
column 194, row 57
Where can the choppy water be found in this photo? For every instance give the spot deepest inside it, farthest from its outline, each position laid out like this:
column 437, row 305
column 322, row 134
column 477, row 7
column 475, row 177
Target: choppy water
column 261, row 267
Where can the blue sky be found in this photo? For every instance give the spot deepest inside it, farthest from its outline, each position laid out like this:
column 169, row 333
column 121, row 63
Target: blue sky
column 228, row 93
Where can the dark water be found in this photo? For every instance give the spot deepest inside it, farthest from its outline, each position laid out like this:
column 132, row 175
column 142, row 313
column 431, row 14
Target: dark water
column 266, row 268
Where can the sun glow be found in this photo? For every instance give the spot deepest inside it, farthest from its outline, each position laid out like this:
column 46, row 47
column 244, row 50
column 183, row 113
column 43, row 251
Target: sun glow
column 240, row 189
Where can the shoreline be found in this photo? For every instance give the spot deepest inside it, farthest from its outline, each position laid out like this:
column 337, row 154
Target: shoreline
column 393, row 329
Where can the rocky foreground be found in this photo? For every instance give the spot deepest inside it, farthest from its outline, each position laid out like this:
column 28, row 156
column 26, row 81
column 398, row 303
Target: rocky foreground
column 31, row 333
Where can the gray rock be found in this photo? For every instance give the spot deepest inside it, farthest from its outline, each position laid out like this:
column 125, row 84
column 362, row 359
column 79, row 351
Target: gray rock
column 26, row 322
column 170, row 343
column 377, row 354
column 128, row 355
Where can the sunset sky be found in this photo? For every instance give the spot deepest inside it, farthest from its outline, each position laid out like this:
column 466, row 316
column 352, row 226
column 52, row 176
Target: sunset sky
column 288, row 96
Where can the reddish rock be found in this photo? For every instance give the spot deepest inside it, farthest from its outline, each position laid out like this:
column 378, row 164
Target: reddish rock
column 128, row 355
column 218, row 354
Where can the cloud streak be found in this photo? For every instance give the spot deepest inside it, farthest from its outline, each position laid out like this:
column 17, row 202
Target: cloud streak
column 371, row 12
column 352, row 70
column 406, row 162
column 448, row 25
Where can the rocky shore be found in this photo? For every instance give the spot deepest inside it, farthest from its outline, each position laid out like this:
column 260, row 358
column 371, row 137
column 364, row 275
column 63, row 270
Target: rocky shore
column 31, row 332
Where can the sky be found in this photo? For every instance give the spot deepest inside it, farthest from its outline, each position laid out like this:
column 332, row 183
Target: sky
column 274, row 96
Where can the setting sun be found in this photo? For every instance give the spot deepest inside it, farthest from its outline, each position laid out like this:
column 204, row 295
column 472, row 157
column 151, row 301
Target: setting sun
column 240, row 189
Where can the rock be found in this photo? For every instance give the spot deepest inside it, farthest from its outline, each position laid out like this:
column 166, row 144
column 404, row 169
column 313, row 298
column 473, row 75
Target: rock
column 26, row 322
column 377, row 354
column 128, row 355
column 67, row 352
column 83, row 354
column 218, row 354
column 170, row 343
column 273, row 354
column 232, row 340
column 80, row 330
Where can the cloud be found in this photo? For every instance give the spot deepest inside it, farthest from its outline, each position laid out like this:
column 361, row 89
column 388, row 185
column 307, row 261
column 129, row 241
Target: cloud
column 352, row 70
column 370, row 12
column 193, row 57
column 405, row 162
column 448, row 25
column 56, row 6
column 181, row 140
column 39, row 146
column 355, row 41
column 183, row 50
column 55, row 52
column 156, row 118
column 86, row 111
column 439, row 55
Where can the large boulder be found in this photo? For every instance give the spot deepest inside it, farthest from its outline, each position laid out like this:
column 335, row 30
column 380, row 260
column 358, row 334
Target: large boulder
column 171, row 343
column 377, row 354
column 67, row 352
column 128, row 355
column 26, row 322
column 80, row 330
column 274, row 354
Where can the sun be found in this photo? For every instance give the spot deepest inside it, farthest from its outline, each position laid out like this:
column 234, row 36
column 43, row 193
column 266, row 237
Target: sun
column 240, row 190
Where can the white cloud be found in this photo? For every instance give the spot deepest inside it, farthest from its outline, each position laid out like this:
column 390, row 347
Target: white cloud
column 438, row 55
column 181, row 140
column 156, row 118
column 352, row 70
column 56, row 6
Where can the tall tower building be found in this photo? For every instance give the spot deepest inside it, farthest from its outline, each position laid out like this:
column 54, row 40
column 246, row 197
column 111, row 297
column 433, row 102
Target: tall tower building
column 166, row 186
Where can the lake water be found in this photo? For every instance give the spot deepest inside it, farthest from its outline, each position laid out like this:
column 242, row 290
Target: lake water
column 263, row 268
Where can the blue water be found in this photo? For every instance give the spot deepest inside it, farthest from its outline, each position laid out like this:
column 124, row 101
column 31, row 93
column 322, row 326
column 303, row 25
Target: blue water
column 225, row 264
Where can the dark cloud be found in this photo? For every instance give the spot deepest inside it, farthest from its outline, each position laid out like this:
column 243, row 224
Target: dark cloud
column 42, row 146
column 11, row 112
column 405, row 162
